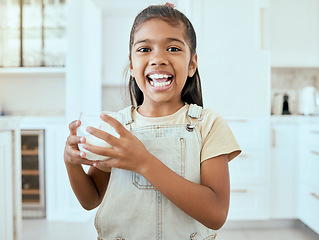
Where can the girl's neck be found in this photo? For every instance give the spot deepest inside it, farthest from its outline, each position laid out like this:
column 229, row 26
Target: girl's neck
column 159, row 110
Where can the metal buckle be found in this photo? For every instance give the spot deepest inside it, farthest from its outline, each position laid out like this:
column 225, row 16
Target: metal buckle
column 190, row 127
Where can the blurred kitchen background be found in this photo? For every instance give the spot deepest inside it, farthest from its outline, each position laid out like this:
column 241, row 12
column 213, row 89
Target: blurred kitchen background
column 259, row 65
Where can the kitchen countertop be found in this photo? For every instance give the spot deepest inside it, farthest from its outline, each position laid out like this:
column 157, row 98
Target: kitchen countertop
column 9, row 123
column 297, row 119
column 36, row 122
column 14, row 122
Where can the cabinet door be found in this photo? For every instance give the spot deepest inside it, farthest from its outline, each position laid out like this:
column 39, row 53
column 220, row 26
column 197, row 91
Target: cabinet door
column 6, row 186
column 309, row 154
column 294, row 34
column 308, row 172
column 309, row 206
column 233, row 63
column 283, row 171
column 248, row 172
column 248, row 203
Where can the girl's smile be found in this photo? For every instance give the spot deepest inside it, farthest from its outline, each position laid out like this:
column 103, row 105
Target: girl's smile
column 160, row 80
column 161, row 63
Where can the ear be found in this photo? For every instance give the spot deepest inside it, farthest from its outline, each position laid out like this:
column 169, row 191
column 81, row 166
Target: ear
column 192, row 65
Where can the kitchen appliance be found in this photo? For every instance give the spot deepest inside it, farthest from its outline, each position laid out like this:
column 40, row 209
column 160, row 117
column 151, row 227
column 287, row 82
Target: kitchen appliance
column 280, row 104
column 308, row 101
column 285, row 107
column 32, row 174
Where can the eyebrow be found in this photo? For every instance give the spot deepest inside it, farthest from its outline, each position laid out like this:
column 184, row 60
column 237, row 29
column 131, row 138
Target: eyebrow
column 167, row 40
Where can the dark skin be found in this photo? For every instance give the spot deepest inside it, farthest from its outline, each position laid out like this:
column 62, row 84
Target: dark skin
column 89, row 188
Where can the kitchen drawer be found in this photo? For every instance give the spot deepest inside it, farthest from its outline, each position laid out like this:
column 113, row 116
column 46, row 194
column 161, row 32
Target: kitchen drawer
column 248, row 168
column 309, row 164
column 250, row 133
column 248, row 203
column 310, row 135
column 309, row 206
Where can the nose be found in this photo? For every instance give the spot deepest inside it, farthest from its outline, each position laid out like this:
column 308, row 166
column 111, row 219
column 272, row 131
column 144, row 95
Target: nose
column 158, row 59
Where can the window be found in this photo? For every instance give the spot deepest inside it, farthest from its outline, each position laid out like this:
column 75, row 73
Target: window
column 32, row 33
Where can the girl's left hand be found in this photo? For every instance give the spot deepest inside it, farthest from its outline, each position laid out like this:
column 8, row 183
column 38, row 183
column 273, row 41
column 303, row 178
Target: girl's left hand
column 128, row 151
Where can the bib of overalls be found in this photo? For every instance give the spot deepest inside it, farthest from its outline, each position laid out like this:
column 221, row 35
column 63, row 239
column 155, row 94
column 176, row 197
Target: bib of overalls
column 132, row 209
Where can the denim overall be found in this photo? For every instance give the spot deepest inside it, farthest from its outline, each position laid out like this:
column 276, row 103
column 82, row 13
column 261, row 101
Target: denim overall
column 132, row 209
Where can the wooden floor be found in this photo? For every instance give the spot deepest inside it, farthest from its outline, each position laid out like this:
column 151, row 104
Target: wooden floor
column 48, row 230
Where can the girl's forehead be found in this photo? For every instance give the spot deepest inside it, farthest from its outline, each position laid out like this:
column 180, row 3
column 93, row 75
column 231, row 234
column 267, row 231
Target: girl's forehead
column 159, row 28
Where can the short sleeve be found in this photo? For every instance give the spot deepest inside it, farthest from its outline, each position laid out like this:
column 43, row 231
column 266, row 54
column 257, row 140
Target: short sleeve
column 218, row 139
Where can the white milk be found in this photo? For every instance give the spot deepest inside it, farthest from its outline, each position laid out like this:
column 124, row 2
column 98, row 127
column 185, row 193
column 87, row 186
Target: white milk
column 95, row 121
column 90, row 139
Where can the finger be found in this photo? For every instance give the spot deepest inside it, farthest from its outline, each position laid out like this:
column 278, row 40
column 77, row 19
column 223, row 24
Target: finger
column 73, row 139
column 105, row 164
column 104, row 151
column 78, row 157
column 119, row 128
column 73, row 126
column 109, row 138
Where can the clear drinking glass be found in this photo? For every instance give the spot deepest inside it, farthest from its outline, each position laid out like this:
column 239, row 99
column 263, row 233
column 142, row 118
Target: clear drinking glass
column 94, row 120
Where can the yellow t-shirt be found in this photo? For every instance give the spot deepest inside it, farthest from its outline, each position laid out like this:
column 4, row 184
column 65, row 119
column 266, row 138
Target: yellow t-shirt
column 217, row 137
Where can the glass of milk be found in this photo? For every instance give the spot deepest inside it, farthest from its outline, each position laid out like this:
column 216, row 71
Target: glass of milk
column 94, row 120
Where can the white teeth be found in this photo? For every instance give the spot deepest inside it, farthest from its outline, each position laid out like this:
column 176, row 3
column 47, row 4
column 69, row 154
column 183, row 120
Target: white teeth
column 160, row 84
column 158, row 80
column 156, row 76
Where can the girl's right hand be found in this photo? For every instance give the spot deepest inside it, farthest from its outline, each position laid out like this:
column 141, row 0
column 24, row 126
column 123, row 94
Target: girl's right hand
column 72, row 154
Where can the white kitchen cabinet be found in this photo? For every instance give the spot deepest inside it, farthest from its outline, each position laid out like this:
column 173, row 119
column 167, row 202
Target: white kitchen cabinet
column 115, row 58
column 308, row 170
column 10, row 180
column 248, row 203
column 294, row 33
column 83, row 61
column 249, row 172
column 284, row 171
column 309, row 206
column 234, row 61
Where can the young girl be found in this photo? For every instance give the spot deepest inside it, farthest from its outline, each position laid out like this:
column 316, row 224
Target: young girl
column 169, row 174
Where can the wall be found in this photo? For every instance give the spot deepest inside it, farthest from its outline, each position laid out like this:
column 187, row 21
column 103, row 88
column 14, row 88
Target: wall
column 291, row 81
column 115, row 98
column 32, row 95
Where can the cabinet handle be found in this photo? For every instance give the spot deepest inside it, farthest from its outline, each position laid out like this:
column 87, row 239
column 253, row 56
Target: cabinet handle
column 273, row 135
column 315, row 132
column 237, row 120
column 239, row 190
column 314, row 195
column 315, row 153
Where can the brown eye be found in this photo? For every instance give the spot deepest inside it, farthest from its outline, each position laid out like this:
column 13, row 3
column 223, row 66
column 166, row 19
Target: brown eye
column 173, row 49
column 143, row 50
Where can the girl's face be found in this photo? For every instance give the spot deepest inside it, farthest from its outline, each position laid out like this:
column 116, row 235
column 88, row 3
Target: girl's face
column 161, row 61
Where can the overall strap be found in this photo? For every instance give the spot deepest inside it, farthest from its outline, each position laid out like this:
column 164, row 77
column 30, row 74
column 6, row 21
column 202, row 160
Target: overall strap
column 194, row 111
column 127, row 115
